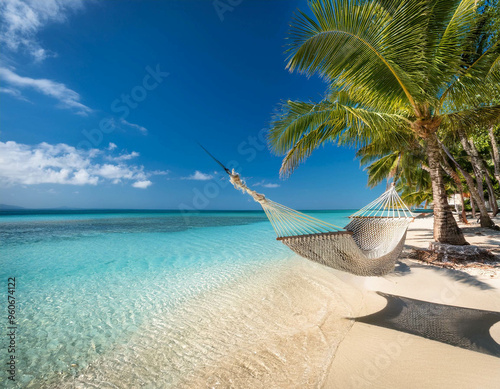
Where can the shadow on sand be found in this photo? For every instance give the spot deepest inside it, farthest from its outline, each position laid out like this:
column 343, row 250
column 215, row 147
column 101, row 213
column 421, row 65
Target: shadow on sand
column 403, row 268
column 462, row 327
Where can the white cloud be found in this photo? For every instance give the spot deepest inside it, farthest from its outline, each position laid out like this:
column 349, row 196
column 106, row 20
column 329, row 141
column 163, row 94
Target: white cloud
column 142, row 184
column 142, row 129
column 124, row 157
column 14, row 93
column 67, row 98
column 112, row 146
column 266, row 185
column 199, row 176
column 10, row 91
column 22, row 20
column 159, row 172
column 44, row 163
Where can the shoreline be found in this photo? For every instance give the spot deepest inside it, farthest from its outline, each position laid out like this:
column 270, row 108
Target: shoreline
column 295, row 323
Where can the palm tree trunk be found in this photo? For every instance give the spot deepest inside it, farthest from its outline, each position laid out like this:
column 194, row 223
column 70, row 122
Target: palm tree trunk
column 463, row 213
column 458, row 182
column 445, row 226
column 472, row 206
column 479, row 182
column 471, row 151
column 491, row 193
column 480, row 170
column 484, row 217
column 496, row 154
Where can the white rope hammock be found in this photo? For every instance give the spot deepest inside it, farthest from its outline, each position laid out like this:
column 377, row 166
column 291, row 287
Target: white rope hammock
column 369, row 245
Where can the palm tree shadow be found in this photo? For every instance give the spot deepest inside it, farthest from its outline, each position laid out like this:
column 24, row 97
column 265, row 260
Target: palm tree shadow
column 461, row 327
column 403, row 268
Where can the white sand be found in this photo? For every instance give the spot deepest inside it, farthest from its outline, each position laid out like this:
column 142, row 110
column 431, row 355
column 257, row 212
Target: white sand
column 375, row 357
column 420, row 234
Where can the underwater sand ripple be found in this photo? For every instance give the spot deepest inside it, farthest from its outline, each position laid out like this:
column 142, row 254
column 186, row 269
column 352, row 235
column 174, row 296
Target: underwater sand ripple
column 278, row 328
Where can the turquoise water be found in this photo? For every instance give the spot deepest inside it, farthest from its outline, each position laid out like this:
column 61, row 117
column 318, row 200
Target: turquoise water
column 86, row 282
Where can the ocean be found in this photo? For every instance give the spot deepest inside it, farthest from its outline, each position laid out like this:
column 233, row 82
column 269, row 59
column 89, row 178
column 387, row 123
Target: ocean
column 91, row 284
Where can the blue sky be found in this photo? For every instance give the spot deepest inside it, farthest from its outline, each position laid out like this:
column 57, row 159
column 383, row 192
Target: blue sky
column 102, row 103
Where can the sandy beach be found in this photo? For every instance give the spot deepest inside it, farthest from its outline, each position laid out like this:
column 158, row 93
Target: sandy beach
column 298, row 324
column 377, row 357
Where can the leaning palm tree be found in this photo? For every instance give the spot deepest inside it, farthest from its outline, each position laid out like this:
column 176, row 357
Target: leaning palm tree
column 394, row 67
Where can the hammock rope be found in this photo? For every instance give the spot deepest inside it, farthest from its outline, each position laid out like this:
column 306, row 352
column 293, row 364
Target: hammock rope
column 286, row 221
column 369, row 245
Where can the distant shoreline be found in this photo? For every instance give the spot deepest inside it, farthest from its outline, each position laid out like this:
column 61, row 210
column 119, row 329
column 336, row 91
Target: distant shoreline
column 26, row 211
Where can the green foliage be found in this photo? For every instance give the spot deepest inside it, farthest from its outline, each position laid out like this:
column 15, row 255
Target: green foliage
column 393, row 66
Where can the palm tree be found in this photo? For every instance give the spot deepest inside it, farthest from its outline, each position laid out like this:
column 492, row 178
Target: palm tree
column 394, row 67
column 458, row 140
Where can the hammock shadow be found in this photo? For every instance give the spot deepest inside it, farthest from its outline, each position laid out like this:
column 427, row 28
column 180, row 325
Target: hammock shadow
column 461, row 327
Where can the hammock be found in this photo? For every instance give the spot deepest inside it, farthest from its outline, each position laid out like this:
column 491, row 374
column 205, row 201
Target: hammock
column 368, row 246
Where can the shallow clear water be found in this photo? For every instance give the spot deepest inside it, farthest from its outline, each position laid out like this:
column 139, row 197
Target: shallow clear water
column 88, row 284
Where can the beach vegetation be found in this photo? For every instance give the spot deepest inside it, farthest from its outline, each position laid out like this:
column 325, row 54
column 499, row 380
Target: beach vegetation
column 404, row 77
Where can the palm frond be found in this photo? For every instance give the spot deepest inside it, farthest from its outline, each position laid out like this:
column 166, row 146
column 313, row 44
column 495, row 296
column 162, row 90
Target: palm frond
column 476, row 84
column 294, row 119
column 471, row 118
column 303, row 148
column 344, row 42
column 448, row 56
column 299, row 125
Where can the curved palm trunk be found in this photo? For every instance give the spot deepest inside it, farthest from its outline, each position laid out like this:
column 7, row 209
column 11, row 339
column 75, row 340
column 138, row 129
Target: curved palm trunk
column 491, row 192
column 454, row 176
column 484, row 218
column 445, row 226
column 480, row 170
column 479, row 181
column 495, row 153
column 472, row 205
column 474, row 160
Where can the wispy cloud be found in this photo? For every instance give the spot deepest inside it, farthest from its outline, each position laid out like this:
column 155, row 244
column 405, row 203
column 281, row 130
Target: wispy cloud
column 67, row 98
column 13, row 92
column 142, row 129
column 199, row 176
column 22, row 164
column 266, row 184
column 159, row 172
column 123, row 157
column 22, row 20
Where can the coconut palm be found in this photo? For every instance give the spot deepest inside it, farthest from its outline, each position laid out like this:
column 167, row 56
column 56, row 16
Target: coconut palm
column 394, row 67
